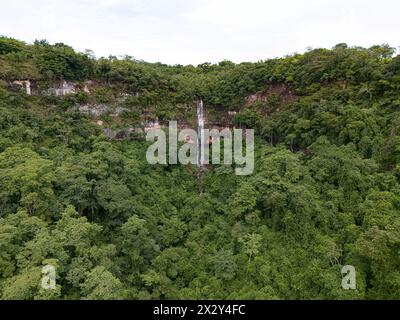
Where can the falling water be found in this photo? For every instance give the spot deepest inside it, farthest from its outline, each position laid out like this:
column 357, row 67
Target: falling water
column 200, row 133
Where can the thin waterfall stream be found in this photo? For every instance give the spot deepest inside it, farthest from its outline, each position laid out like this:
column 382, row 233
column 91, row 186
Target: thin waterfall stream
column 200, row 133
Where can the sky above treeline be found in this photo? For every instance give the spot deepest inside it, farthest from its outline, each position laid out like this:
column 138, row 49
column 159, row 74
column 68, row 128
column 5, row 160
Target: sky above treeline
column 197, row 31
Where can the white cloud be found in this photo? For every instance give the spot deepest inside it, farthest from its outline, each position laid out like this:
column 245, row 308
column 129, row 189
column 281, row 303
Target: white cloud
column 195, row 31
column 245, row 14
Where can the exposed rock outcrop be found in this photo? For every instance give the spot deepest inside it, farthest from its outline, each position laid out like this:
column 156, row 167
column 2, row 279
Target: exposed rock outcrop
column 273, row 99
column 26, row 84
column 95, row 110
column 62, row 89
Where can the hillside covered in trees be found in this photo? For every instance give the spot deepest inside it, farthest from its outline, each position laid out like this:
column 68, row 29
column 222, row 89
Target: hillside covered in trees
column 325, row 191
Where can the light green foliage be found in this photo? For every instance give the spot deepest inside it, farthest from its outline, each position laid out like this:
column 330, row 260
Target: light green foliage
column 100, row 284
column 26, row 179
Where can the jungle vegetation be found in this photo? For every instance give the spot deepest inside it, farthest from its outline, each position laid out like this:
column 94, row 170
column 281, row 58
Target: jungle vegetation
column 325, row 191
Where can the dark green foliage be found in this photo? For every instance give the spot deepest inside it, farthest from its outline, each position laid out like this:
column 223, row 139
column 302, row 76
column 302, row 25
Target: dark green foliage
column 325, row 191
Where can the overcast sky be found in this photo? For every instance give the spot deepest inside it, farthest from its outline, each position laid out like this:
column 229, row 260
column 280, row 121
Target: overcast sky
column 196, row 31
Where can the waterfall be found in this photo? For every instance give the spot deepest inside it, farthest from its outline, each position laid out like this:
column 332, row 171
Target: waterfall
column 200, row 133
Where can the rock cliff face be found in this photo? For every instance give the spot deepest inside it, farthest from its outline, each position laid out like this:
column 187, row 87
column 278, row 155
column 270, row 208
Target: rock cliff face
column 107, row 105
column 273, row 99
column 22, row 84
column 220, row 118
column 63, row 88
column 95, row 110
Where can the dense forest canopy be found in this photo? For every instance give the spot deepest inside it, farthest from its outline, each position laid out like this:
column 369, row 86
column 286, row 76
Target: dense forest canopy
column 325, row 191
